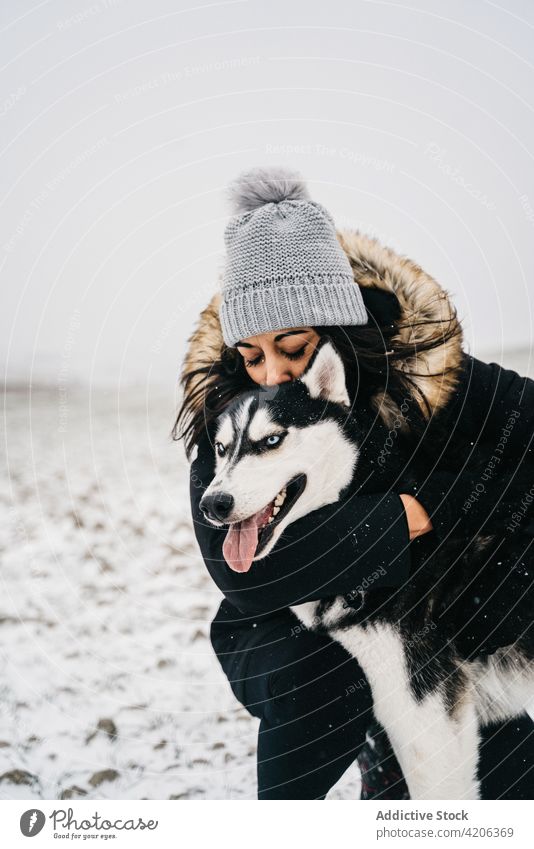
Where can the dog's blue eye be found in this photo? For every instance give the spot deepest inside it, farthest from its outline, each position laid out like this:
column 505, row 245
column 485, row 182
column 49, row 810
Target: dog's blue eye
column 274, row 439
column 221, row 450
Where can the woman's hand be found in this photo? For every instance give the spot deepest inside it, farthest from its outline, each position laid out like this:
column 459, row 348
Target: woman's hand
column 418, row 520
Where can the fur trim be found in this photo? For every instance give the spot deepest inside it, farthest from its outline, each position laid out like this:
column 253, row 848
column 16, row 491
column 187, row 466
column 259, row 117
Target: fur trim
column 419, row 296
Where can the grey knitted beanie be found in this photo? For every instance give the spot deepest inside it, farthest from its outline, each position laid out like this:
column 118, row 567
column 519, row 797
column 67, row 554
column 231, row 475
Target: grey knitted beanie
column 284, row 264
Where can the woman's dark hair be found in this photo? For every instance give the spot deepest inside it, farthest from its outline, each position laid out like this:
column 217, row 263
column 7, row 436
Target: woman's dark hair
column 368, row 352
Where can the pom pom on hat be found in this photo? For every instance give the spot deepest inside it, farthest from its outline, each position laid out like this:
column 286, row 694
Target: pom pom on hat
column 259, row 186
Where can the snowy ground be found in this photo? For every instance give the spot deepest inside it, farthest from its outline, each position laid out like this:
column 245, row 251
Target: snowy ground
column 108, row 684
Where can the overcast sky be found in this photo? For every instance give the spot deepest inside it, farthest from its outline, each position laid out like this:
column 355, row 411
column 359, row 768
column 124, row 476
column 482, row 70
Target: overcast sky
column 122, row 122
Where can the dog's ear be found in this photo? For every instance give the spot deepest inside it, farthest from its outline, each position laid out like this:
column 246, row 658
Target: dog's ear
column 325, row 375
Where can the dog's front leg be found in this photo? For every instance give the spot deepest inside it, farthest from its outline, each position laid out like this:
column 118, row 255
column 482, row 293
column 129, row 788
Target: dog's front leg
column 438, row 752
column 436, row 749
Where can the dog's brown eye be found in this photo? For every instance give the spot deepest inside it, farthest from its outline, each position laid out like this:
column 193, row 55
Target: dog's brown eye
column 220, row 449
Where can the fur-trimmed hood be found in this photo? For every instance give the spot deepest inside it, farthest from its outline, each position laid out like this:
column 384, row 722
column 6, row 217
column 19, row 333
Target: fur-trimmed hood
column 420, row 297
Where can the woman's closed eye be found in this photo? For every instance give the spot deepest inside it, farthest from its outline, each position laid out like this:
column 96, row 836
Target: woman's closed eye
column 291, row 355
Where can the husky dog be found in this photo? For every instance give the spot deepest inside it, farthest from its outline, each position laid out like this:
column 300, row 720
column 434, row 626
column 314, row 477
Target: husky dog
column 285, row 451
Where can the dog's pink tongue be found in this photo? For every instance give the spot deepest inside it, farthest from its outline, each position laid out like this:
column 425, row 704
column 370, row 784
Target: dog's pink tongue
column 241, row 541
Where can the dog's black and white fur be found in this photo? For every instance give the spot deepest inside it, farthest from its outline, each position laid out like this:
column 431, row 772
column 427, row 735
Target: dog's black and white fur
column 294, row 446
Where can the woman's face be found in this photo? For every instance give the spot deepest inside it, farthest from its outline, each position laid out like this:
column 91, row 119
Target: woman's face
column 278, row 356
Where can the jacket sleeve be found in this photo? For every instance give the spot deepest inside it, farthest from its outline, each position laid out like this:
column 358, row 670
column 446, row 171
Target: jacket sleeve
column 495, row 486
column 328, row 552
column 235, row 637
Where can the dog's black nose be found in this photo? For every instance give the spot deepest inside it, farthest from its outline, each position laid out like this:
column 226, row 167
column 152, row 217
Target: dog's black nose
column 217, row 506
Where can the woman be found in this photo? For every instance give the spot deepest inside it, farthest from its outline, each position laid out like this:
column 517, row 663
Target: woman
column 289, row 278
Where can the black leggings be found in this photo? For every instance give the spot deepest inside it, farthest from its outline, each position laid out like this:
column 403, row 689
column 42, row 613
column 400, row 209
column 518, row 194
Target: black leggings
column 315, row 706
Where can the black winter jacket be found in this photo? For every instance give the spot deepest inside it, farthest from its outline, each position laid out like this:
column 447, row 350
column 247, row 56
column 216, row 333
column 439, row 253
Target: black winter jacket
column 478, row 450
column 332, row 550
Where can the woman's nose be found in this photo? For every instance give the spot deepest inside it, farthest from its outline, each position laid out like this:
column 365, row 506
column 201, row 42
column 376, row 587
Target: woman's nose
column 276, row 375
